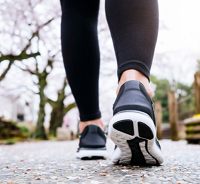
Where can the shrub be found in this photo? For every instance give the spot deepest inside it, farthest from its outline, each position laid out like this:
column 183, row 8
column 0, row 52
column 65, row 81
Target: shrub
column 10, row 141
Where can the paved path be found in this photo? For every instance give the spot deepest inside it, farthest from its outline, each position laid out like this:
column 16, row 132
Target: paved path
column 55, row 163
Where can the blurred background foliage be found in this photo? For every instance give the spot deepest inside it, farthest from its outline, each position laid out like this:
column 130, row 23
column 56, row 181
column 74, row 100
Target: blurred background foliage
column 186, row 109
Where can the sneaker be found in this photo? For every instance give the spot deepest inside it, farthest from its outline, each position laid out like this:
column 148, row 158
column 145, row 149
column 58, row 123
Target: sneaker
column 92, row 144
column 133, row 127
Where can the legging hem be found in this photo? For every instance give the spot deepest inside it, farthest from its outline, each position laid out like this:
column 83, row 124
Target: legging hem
column 136, row 65
column 90, row 117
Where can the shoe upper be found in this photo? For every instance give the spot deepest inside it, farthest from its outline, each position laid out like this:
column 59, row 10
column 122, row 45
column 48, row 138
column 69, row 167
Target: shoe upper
column 92, row 137
column 133, row 96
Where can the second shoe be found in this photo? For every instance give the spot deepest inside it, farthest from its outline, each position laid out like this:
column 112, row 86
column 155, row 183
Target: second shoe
column 92, row 143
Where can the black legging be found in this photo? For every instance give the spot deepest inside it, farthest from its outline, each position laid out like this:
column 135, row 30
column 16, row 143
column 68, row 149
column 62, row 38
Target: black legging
column 134, row 27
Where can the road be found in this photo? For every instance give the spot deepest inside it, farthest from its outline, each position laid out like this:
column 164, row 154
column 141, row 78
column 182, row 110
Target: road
column 54, row 162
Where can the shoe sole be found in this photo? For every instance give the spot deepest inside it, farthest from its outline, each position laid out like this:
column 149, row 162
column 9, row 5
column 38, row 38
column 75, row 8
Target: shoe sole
column 134, row 133
column 89, row 154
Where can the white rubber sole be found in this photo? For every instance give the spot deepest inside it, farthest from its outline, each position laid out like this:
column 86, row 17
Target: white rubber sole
column 138, row 147
column 89, row 154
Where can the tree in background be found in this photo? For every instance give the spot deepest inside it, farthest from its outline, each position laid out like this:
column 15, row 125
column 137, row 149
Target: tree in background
column 59, row 110
column 21, row 21
column 41, row 83
column 11, row 58
column 30, row 30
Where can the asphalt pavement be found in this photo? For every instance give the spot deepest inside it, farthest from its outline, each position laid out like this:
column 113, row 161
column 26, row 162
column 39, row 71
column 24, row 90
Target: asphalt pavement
column 54, row 162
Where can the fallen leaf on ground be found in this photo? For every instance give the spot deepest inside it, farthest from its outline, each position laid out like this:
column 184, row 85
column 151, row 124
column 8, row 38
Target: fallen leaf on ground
column 120, row 179
column 28, row 169
column 37, row 178
column 95, row 170
column 25, row 173
column 103, row 174
column 7, row 167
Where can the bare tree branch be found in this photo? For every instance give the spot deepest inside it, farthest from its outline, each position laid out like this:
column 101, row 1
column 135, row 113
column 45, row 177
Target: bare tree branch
column 51, row 102
column 19, row 57
column 49, row 21
column 69, row 107
column 23, row 54
column 6, row 70
column 25, row 70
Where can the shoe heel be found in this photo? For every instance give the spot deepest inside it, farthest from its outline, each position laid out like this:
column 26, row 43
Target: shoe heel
column 134, row 133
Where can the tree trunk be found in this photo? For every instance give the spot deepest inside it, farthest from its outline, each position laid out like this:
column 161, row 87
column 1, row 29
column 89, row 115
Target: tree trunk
column 56, row 117
column 40, row 131
column 59, row 111
column 58, row 114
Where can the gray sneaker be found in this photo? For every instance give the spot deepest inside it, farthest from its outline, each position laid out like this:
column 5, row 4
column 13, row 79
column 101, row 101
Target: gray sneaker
column 92, row 144
column 133, row 127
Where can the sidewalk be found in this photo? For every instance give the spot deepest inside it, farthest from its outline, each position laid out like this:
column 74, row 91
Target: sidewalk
column 55, row 163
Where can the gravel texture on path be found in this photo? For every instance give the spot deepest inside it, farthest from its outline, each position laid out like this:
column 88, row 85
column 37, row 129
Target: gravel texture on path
column 55, row 163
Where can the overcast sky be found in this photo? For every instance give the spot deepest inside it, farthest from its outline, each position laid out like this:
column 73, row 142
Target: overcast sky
column 181, row 17
column 180, row 39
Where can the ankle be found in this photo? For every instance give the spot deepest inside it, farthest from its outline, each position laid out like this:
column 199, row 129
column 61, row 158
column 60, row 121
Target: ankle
column 135, row 75
column 97, row 122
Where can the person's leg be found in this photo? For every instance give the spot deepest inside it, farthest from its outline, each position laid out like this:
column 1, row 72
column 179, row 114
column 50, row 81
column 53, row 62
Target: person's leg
column 81, row 56
column 134, row 27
